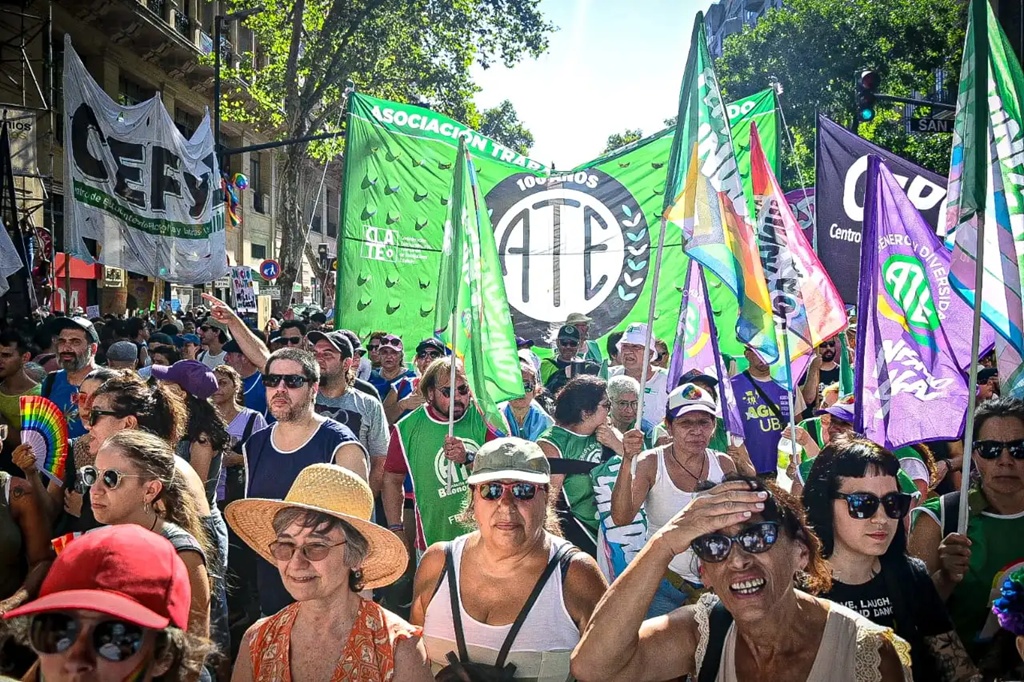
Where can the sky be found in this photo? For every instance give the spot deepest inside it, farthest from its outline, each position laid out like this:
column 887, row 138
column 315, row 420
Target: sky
column 612, row 65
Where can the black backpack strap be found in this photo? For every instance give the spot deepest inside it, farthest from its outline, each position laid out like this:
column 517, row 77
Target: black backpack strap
column 764, row 396
column 555, row 561
column 248, row 427
column 950, row 512
column 719, row 621
column 453, row 593
column 566, row 561
column 47, row 387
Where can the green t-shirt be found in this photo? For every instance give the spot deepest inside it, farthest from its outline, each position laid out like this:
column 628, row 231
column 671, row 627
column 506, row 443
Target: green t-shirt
column 578, row 488
column 10, row 406
column 422, row 440
column 997, row 549
column 720, row 439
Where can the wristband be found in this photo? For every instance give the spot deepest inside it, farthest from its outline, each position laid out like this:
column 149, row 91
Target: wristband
column 396, row 526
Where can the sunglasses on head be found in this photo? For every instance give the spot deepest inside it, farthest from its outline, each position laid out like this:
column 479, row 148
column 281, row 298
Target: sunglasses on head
column 864, row 505
column 569, row 343
column 113, row 640
column 714, row 548
column 111, row 478
column 393, row 344
column 290, row 380
column 494, row 490
column 991, row 449
column 462, row 389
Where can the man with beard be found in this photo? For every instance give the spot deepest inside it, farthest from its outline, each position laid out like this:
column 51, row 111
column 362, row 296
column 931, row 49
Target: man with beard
column 655, row 385
column 14, row 383
column 77, row 342
column 275, row 456
column 823, row 371
column 214, row 337
column 421, row 446
column 339, row 399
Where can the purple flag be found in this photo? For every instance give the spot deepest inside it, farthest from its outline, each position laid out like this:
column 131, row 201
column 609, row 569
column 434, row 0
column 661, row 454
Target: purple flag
column 696, row 346
column 909, row 385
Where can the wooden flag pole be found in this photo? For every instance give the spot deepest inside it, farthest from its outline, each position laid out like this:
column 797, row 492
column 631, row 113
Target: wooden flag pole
column 790, row 395
column 451, row 400
column 650, row 328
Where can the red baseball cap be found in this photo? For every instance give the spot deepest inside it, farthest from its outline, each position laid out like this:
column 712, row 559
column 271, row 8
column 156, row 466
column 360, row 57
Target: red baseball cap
column 124, row 571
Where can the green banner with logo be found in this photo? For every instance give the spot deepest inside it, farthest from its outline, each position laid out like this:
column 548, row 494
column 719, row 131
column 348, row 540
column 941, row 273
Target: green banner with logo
column 578, row 241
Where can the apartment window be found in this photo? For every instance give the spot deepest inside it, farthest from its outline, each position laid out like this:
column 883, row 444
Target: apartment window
column 185, row 122
column 206, row 16
column 332, row 213
column 318, row 225
column 130, row 92
column 182, row 20
column 257, row 251
column 255, row 186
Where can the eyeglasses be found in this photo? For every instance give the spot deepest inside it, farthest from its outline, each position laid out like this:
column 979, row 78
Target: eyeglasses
column 372, row 347
column 291, row 340
column 95, row 415
column 714, row 548
column 314, row 551
column 428, row 356
column 111, row 477
column 864, row 505
column 628, row 404
column 81, row 398
column 290, row 380
column 113, row 640
column 205, row 328
column 462, row 389
column 568, row 343
column 991, row 449
column 495, row 490
column 528, row 386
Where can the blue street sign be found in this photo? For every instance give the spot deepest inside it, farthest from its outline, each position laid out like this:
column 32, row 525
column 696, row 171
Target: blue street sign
column 270, row 269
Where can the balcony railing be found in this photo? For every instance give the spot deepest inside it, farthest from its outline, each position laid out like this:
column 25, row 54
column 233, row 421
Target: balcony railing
column 183, row 24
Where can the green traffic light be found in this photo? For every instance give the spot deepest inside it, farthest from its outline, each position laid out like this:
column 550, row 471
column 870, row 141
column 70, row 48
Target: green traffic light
column 867, row 114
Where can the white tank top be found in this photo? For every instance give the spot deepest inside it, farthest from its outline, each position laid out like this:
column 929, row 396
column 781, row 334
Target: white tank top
column 541, row 649
column 665, row 500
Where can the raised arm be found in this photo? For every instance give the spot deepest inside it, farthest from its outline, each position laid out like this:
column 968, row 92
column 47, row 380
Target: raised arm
column 251, row 346
column 630, row 491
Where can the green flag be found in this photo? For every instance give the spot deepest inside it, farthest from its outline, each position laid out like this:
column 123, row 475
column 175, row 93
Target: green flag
column 845, row 368
column 759, row 108
column 471, row 311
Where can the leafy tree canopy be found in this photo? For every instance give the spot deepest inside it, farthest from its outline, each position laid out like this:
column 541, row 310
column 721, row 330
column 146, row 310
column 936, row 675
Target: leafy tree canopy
column 502, row 124
column 817, row 48
column 616, row 140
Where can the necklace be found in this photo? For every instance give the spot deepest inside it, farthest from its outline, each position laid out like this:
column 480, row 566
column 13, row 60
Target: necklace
column 700, row 471
column 156, row 517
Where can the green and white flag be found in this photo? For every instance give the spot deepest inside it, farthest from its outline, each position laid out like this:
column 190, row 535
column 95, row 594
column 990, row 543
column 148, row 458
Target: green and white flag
column 471, row 312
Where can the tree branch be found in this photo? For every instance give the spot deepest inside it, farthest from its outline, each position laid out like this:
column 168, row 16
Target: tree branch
column 292, row 69
column 339, row 53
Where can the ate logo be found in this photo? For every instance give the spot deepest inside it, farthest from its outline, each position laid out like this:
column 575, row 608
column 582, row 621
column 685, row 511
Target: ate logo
column 575, row 243
column 905, row 280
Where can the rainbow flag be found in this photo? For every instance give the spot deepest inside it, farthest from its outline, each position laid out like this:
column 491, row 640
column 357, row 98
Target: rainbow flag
column 986, row 181
column 704, row 198
column 804, row 301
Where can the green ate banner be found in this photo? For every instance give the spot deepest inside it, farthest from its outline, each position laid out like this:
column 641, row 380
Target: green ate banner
column 577, row 241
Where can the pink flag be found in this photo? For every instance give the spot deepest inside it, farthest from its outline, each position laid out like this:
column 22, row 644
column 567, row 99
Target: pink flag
column 802, row 295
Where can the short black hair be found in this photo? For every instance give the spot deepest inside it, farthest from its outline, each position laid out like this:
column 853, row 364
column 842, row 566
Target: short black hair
column 12, row 337
column 997, row 407
column 294, row 324
column 132, row 326
column 612, row 344
column 581, row 394
column 169, row 352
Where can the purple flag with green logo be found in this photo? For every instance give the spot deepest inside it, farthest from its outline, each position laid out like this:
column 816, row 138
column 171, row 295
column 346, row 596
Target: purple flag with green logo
column 909, row 385
column 696, row 345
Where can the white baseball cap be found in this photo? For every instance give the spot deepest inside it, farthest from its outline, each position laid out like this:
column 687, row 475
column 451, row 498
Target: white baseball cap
column 690, row 398
column 636, row 334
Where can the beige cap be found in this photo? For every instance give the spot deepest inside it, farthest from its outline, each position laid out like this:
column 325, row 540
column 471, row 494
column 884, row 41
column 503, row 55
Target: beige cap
column 512, row 459
column 578, row 318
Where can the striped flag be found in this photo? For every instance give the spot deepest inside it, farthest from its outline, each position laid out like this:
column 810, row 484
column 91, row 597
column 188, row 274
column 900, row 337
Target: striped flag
column 704, row 197
column 992, row 127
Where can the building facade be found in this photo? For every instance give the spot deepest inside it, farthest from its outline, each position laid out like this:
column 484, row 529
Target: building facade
column 728, row 17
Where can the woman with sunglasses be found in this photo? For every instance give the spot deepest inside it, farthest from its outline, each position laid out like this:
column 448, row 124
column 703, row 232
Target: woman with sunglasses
column 753, row 544
column 392, row 366
column 114, row 607
column 548, row 588
column 69, row 495
column 854, row 505
column 964, row 568
column 135, row 481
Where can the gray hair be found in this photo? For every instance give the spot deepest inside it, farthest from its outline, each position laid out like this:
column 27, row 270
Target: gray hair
column 356, row 546
column 620, row 385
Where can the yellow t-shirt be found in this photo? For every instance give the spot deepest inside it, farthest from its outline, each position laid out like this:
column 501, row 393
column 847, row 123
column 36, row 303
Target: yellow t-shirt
column 10, row 406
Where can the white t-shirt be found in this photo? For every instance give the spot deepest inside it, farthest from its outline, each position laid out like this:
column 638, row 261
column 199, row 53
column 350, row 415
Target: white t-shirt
column 212, row 361
column 655, row 393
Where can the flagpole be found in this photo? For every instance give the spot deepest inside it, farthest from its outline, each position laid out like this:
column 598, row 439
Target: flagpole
column 451, row 402
column 789, row 394
column 650, row 327
column 979, row 19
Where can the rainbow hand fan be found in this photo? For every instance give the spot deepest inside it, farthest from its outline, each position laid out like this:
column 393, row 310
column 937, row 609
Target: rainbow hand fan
column 45, row 430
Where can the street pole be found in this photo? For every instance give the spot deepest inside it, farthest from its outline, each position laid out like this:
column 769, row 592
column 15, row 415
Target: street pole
column 218, row 32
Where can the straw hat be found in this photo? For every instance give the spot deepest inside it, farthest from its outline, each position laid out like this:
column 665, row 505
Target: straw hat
column 335, row 491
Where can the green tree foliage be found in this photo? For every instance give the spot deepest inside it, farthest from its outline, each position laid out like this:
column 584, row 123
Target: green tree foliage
column 502, row 124
column 816, row 49
column 404, row 50
column 616, row 140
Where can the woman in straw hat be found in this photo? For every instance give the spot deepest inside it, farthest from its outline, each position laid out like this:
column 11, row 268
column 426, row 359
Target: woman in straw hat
column 321, row 540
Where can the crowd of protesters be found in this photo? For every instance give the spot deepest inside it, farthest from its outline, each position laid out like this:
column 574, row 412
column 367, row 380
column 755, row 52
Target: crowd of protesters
column 299, row 502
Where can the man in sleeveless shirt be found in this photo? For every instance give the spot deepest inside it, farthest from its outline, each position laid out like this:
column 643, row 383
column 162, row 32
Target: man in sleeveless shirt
column 421, row 446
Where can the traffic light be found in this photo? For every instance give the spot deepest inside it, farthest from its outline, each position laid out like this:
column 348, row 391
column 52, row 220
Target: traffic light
column 867, row 86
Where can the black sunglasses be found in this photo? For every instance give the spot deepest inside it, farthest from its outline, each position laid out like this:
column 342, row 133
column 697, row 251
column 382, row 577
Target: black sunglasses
column 113, row 640
column 462, row 389
column 291, row 340
column 430, row 355
column 95, row 415
column 111, row 478
column 864, row 505
column 991, row 449
column 828, row 344
column 714, row 548
column 568, row 343
column 528, row 386
column 290, row 380
column 372, row 347
column 495, row 489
